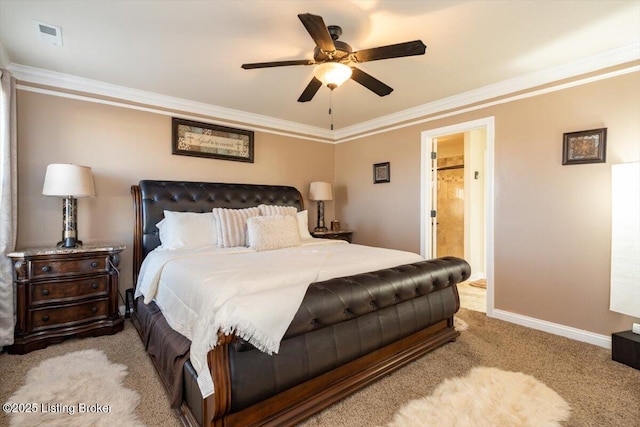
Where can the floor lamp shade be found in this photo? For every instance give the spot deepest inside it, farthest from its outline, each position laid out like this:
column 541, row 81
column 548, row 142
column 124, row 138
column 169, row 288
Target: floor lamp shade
column 625, row 239
column 320, row 191
column 69, row 182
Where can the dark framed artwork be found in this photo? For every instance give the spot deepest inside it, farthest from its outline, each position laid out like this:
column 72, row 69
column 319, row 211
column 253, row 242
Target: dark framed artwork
column 206, row 140
column 587, row 146
column 381, row 173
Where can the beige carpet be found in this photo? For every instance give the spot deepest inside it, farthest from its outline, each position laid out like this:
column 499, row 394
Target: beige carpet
column 122, row 348
column 601, row 392
column 77, row 389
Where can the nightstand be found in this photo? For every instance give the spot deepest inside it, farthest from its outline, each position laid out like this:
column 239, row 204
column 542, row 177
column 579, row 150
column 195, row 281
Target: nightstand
column 64, row 293
column 625, row 348
column 336, row 235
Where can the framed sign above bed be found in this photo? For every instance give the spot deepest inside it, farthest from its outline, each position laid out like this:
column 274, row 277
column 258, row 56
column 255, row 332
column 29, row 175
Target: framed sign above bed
column 206, row 140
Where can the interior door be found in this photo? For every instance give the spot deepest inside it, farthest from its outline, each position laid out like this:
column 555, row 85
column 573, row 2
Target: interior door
column 433, row 209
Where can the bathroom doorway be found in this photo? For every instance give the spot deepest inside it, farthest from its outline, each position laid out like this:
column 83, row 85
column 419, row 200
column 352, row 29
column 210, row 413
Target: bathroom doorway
column 457, row 209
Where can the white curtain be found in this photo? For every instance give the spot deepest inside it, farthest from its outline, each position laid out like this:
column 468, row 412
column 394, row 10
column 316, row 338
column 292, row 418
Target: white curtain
column 8, row 203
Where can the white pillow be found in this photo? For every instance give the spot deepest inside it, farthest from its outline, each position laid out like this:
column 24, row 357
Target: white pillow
column 180, row 230
column 231, row 225
column 267, row 210
column 303, row 224
column 266, row 233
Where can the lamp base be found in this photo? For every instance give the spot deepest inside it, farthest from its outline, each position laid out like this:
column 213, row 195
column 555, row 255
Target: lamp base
column 69, row 224
column 69, row 243
column 320, row 227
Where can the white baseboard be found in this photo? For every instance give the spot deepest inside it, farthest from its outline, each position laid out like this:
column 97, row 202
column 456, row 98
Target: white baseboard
column 554, row 328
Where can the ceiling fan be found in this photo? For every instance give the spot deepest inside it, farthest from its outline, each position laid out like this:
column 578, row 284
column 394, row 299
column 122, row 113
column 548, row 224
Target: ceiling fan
column 335, row 57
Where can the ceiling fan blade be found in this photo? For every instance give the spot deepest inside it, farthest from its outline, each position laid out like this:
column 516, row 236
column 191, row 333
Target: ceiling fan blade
column 370, row 82
column 278, row 64
column 399, row 50
column 318, row 31
column 310, row 91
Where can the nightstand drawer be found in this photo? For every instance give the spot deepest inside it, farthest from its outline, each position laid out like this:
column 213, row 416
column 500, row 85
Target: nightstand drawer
column 68, row 315
column 68, row 290
column 60, row 267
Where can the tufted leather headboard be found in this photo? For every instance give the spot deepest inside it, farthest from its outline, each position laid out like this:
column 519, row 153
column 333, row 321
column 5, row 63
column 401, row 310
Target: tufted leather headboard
column 152, row 198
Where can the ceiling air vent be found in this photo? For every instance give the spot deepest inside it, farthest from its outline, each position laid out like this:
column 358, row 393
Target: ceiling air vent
column 49, row 33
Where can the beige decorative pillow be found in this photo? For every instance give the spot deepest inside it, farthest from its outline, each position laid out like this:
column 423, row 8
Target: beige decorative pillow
column 268, row 210
column 266, row 233
column 303, row 224
column 187, row 230
column 231, row 225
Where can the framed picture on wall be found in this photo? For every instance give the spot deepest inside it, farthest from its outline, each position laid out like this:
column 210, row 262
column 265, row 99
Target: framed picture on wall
column 206, row 140
column 381, row 173
column 587, row 146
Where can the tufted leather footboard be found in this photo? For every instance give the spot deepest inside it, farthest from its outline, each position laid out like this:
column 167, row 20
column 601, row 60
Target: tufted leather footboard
column 353, row 325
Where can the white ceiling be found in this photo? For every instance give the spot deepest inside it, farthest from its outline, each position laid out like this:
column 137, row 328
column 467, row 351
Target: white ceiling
column 192, row 50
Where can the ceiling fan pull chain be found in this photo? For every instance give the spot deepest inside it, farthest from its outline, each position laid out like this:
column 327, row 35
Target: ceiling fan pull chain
column 331, row 108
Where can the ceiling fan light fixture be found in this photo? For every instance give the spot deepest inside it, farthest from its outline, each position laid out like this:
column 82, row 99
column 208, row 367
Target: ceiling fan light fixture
column 332, row 74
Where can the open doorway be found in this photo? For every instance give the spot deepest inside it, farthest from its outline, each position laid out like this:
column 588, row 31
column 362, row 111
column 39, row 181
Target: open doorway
column 457, row 203
column 459, row 219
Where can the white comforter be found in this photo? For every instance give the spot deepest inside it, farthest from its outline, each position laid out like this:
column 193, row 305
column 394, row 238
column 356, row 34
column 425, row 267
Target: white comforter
column 252, row 294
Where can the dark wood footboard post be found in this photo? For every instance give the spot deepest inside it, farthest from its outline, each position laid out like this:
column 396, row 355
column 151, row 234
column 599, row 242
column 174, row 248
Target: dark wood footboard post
column 218, row 405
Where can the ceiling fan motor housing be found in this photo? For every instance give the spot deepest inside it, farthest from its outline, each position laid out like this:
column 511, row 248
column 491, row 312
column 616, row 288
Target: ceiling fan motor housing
column 341, row 54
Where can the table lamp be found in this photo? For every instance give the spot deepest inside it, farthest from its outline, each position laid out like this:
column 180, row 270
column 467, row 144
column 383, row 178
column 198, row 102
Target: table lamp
column 320, row 191
column 70, row 182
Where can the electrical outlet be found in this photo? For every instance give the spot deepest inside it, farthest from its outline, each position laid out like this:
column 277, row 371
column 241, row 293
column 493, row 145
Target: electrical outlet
column 636, row 328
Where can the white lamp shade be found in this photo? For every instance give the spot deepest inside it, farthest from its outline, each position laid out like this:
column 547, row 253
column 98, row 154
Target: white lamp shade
column 625, row 239
column 64, row 180
column 332, row 73
column 320, row 191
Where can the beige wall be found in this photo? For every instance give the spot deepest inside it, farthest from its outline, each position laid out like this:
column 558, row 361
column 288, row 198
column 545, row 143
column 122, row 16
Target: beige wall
column 552, row 222
column 386, row 214
column 123, row 146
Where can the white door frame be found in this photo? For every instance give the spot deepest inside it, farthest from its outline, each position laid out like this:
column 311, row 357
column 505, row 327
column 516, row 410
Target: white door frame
column 426, row 194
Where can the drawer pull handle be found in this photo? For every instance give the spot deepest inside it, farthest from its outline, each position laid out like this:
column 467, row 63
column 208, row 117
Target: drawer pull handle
column 94, row 285
column 45, row 318
column 94, row 309
column 45, row 292
column 46, row 268
column 94, row 264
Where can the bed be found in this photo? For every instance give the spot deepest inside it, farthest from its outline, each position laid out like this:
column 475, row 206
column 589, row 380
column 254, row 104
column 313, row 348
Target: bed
column 349, row 328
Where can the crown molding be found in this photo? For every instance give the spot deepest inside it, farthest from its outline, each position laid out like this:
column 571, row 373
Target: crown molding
column 502, row 100
column 74, row 83
column 396, row 120
column 607, row 59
